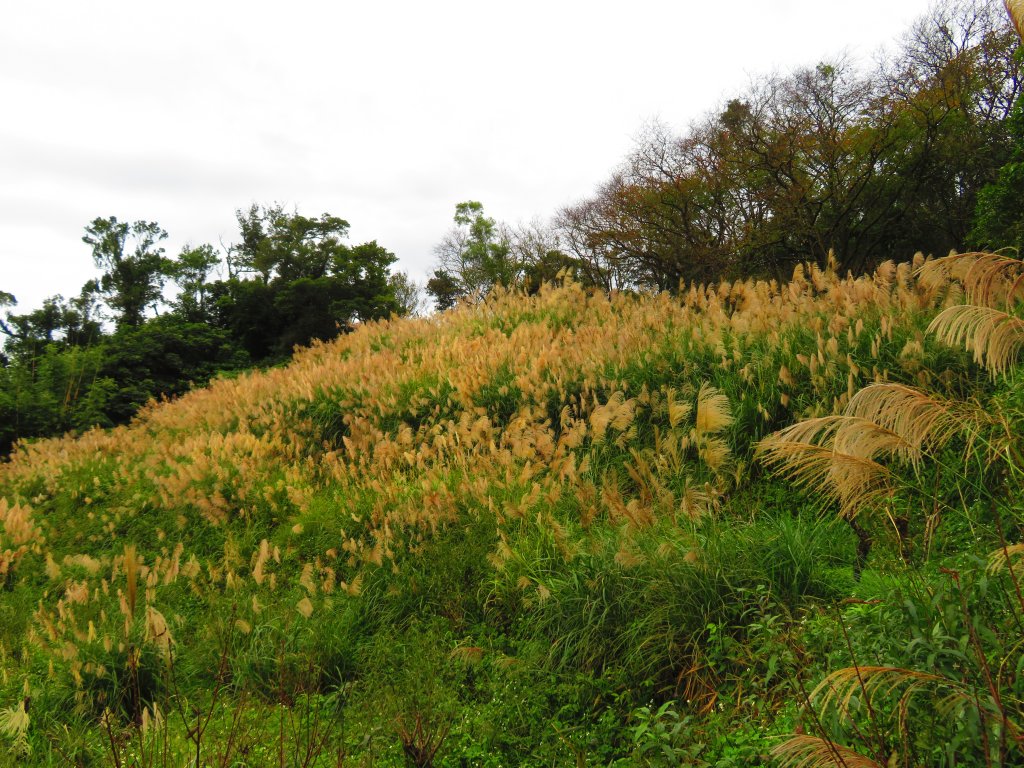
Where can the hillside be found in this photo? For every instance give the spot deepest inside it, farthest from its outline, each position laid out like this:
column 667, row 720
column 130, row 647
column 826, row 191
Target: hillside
column 546, row 530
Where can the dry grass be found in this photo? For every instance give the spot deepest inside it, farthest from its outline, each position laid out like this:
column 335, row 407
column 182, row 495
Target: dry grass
column 994, row 337
column 407, row 397
column 212, row 451
column 1016, row 10
column 834, row 456
column 813, row 752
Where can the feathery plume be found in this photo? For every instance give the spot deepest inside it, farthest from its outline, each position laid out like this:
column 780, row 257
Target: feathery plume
column 1016, row 10
column 918, row 419
column 814, row 752
column 993, row 336
column 713, row 414
column 835, row 455
column 989, row 279
column 14, row 722
column 678, row 411
column 839, row 687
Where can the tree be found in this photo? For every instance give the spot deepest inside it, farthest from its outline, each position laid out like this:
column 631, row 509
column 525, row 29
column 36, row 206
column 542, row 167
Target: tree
column 58, row 322
column 191, row 271
column 538, row 248
column 7, row 300
column 473, row 257
column 999, row 216
column 955, row 81
column 164, row 357
column 252, row 253
column 276, row 244
column 134, row 268
column 309, row 283
column 408, row 295
column 827, row 160
column 445, row 290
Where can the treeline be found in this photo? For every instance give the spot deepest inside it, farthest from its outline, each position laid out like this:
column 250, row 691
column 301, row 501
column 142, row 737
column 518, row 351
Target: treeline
column 97, row 358
column 921, row 152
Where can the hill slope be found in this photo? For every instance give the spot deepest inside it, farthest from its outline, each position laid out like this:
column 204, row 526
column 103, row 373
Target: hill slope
column 511, row 533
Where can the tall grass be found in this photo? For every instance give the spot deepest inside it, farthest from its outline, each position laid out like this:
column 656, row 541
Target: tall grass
column 565, row 483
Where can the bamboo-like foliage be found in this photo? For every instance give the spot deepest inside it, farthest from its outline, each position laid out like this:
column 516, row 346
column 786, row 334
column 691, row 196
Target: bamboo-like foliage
column 813, row 752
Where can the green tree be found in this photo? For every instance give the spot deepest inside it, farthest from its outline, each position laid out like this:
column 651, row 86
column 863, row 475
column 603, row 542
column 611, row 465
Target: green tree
column 444, row 289
column 58, row 322
column 164, row 357
column 309, row 283
column 473, row 257
column 999, row 216
column 312, row 248
column 252, row 253
column 275, row 244
column 7, row 300
column 134, row 267
column 408, row 294
column 191, row 271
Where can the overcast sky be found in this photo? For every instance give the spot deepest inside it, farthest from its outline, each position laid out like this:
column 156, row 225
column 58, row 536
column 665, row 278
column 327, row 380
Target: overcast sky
column 383, row 113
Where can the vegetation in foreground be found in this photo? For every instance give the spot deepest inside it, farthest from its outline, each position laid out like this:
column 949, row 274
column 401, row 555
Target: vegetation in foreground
column 754, row 524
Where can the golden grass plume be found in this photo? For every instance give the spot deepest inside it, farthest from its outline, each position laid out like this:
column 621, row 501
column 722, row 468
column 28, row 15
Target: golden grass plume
column 1015, row 8
column 813, row 752
column 840, row 456
column 917, row 418
column 835, row 456
column 713, row 413
column 14, row 722
column 993, row 336
column 1008, row 556
column 988, row 279
column 840, row 687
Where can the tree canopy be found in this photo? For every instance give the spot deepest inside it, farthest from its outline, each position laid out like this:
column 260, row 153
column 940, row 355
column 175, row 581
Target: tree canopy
column 291, row 279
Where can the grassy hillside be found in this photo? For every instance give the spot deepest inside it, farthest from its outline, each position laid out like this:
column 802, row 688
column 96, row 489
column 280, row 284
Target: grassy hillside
column 562, row 529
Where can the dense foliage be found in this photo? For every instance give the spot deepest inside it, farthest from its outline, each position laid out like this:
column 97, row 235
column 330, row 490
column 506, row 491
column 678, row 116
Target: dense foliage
column 290, row 280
